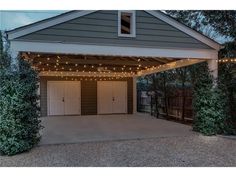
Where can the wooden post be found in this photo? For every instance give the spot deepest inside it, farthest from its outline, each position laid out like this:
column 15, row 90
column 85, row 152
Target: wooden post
column 134, row 95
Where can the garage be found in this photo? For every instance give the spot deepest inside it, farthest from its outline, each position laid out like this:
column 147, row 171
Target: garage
column 89, row 61
column 85, row 96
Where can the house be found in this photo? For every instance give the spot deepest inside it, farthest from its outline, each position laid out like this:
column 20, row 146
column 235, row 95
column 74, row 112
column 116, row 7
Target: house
column 88, row 61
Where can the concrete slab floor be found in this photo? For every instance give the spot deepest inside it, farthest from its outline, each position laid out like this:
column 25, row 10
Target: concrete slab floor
column 75, row 129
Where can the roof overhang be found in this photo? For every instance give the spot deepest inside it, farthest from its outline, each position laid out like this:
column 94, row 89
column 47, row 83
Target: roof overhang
column 18, row 32
column 64, row 48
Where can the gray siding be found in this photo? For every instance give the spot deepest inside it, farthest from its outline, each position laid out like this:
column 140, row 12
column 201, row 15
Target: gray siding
column 130, row 95
column 88, row 95
column 88, row 98
column 101, row 28
column 43, row 97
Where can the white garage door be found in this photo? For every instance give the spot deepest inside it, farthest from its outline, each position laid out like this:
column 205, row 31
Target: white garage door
column 64, row 98
column 112, row 97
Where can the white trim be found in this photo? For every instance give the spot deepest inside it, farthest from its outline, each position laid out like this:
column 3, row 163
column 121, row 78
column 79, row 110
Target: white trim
column 83, row 74
column 14, row 61
column 47, row 47
column 169, row 66
column 213, row 67
column 132, row 25
column 185, row 29
column 51, row 22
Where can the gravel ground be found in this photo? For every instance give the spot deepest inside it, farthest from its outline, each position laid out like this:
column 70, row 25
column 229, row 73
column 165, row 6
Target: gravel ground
column 193, row 150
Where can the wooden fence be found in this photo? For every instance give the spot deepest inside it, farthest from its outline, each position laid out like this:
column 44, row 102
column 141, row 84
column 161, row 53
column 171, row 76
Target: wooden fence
column 174, row 104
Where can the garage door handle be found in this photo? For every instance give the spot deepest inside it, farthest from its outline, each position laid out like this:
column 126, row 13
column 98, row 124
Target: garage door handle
column 113, row 99
column 63, row 99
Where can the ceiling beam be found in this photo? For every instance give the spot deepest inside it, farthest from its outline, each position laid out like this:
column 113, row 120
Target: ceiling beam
column 117, row 62
column 169, row 66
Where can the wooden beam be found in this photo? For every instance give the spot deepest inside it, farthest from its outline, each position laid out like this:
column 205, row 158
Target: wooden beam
column 78, row 74
column 118, row 62
column 59, row 67
column 169, row 66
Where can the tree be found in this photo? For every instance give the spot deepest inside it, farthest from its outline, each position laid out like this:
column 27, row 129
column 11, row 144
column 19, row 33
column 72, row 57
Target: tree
column 4, row 56
column 208, row 22
column 195, row 20
column 19, row 111
column 209, row 104
column 223, row 21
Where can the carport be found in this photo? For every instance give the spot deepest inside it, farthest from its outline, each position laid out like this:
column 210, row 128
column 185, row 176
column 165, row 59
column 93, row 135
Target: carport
column 88, row 63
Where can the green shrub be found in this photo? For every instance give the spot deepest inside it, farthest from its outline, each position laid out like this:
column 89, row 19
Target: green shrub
column 209, row 104
column 19, row 111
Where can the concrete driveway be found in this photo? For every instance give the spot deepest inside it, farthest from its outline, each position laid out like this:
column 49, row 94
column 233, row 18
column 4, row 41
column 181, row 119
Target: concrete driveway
column 75, row 129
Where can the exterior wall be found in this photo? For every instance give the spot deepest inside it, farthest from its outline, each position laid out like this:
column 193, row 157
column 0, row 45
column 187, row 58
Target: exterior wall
column 88, row 95
column 101, row 28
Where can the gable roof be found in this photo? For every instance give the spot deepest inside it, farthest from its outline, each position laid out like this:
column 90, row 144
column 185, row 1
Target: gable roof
column 21, row 31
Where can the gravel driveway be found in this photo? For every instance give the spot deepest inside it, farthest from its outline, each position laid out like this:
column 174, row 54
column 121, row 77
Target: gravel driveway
column 194, row 150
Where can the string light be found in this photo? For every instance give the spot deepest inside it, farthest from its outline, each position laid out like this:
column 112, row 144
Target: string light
column 227, row 60
column 103, row 73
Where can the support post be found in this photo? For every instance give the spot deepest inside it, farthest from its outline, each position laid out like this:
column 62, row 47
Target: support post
column 14, row 61
column 134, row 94
column 213, row 67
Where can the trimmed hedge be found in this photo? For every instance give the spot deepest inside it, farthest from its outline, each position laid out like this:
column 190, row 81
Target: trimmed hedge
column 19, row 111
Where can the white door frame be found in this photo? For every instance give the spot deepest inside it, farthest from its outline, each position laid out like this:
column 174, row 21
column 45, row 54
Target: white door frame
column 126, row 98
column 48, row 95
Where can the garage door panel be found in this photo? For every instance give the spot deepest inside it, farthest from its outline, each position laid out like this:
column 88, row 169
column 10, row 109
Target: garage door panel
column 56, row 108
column 119, row 97
column 64, row 98
column 72, row 98
column 104, row 97
column 56, row 105
column 112, row 97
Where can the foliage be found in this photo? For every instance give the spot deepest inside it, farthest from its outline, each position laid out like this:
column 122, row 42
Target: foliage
column 223, row 24
column 209, row 104
column 195, row 20
column 209, row 23
column 4, row 56
column 19, row 124
column 223, row 21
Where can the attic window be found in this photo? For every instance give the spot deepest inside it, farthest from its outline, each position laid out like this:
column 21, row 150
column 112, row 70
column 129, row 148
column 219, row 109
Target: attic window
column 126, row 26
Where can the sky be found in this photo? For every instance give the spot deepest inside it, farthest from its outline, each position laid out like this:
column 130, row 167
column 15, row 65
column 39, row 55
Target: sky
column 11, row 19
